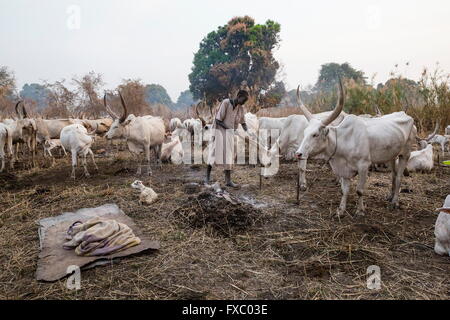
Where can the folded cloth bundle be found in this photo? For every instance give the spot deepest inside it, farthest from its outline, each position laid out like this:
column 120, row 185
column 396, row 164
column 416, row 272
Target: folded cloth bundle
column 98, row 237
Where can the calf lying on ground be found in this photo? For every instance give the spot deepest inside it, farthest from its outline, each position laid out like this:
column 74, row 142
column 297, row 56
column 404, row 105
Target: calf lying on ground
column 147, row 196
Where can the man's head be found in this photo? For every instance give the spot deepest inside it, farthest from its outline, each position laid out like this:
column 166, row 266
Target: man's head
column 241, row 97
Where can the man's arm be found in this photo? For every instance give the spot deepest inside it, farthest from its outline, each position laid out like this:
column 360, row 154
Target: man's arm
column 222, row 124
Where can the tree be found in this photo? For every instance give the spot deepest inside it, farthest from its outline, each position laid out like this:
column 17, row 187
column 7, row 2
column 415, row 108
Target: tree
column 134, row 93
column 330, row 72
column 155, row 93
column 7, row 89
column 89, row 95
column 236, row 55
column 274, row 95
column 37, row 93
column 185, row 100
column 61, row 101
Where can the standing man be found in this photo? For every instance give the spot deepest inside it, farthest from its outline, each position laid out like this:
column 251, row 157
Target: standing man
column 221, row 149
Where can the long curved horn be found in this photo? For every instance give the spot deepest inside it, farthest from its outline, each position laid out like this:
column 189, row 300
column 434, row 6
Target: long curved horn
column 302, row 107
column 24, row 111
column 436, row 129
column 339, row 106
column 108, row 109
column 17, row 110
column 125, row 110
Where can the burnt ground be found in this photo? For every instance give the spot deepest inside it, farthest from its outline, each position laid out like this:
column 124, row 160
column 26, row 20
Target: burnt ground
column 272, row 249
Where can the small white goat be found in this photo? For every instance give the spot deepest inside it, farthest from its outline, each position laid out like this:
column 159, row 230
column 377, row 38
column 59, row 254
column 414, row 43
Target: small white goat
column 442, row 229
column 147, row 196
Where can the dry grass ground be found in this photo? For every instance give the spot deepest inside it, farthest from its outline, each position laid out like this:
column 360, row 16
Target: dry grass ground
column 292, row 251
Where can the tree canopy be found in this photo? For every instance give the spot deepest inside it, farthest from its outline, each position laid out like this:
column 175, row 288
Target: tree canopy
column 185, row 99
column 36, row 92
column 155, row 93
column 329, row 73
column 238, row 54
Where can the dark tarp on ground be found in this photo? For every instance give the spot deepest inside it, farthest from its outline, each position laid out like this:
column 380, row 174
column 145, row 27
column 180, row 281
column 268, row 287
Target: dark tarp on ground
column 54, row 260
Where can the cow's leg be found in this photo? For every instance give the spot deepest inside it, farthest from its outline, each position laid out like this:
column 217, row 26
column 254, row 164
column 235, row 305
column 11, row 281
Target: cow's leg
column 84, row 162
column 360, row 189
column 49, row 150
column 402, row 161
column 158, row 149
column 393, row 179
column 13, row 158
column 345, row 185
column 139, row 161
column 147, row 156
column 93, row 158
column 2, row 156
column 302, row 174
column 74, row 162
column 64, row 150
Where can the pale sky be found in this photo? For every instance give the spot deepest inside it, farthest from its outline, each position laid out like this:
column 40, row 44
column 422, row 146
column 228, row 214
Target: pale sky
column 155, row 40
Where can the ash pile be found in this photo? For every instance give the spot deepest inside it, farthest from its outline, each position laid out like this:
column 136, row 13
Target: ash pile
column 220, row 211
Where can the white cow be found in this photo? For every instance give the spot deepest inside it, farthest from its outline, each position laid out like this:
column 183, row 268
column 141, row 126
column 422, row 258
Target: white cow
column 173, row 151
column 174, row 124
column 76, row 139
column 421, row 160
column 442, row 141
column 266, row 124
column 252, row 122
column 100, row 126
column 192, row 125
column 53, row 127
column 269, row 123
column 141, row 133
column 442, row 229
column 20, row 130
column 290, row 139
column 353, row 145
column 29, row 131
column 5, row 140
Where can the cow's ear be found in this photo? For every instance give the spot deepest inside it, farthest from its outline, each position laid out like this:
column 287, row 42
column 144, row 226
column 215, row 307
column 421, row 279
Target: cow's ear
column 128, row 120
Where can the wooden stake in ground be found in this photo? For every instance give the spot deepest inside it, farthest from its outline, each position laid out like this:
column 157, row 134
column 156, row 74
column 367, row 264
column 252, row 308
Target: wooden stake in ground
column 260, row 179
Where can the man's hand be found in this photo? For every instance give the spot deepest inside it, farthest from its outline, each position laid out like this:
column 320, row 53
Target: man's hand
column 220, row 123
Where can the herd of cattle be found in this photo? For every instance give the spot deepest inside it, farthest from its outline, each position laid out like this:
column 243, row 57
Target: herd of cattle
column 350, row 144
